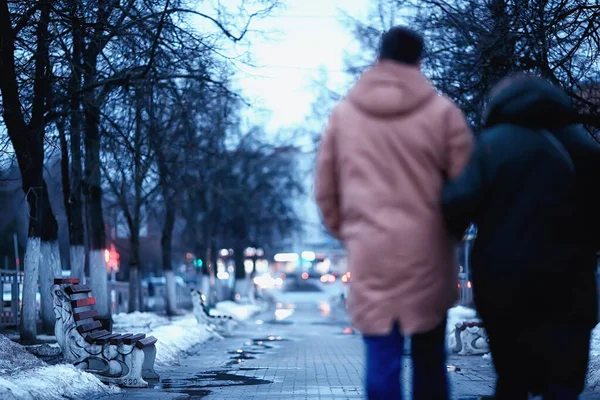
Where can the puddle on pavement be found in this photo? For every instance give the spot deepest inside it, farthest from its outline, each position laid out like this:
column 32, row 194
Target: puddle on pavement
column 276, row 322
column 241, row 355
column 239, row 351
column 199, row 385
column 269, row 338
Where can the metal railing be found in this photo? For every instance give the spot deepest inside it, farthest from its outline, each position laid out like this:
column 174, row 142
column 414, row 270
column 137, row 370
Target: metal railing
column 12, row 289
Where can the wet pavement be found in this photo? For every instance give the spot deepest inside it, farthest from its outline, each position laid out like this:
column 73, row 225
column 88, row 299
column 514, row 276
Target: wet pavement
column 303, row 348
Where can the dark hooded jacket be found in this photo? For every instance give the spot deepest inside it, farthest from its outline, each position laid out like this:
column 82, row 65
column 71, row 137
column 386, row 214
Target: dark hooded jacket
column 534, row 258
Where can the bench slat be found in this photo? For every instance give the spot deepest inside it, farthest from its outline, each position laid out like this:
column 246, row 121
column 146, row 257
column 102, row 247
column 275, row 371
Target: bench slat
column 90, row 326
column 66, row 281
column 90, row 337
column 97, row 334
column 85, row 315
column 118, row 340
column 106, row 339
column 149, row 341
column 73, row 289
column 90, row 301
column 134, row 338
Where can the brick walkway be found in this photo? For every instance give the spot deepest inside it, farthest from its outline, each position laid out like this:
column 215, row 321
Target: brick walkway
column 313, row 360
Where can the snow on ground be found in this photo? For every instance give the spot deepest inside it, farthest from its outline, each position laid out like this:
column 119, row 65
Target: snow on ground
column 241, row 312
column 24, row 376
column 139, row 320
column 175, row 337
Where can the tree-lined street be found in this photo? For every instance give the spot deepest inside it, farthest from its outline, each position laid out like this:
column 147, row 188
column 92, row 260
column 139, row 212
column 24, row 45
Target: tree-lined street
column 161, row 151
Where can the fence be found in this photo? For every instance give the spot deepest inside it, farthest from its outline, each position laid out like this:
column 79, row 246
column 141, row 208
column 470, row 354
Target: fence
column 12, row 287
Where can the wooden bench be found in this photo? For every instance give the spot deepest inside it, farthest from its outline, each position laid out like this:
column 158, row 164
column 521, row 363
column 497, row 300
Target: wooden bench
column 87, row 340
column 222, row 324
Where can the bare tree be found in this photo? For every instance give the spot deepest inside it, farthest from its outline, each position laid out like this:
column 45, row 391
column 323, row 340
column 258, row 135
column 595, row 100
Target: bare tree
column 256, row 198
column 473, row 44
column 27, row 134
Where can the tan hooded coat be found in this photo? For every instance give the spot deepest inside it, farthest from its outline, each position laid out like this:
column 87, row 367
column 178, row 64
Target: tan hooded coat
column 383, row 159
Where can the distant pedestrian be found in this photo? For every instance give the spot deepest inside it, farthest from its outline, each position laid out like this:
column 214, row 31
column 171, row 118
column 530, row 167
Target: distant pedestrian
column 531, row 188
column 387, row 150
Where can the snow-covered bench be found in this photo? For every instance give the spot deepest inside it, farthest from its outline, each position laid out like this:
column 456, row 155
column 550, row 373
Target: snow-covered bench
column 470, row 338
column 222, row 324
column 88, row 342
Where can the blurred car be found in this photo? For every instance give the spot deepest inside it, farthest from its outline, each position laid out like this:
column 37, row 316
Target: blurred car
column 328, row 278
column 266, row 281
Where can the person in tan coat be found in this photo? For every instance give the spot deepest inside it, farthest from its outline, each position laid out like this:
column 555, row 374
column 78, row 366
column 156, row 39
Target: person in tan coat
column 387, row 150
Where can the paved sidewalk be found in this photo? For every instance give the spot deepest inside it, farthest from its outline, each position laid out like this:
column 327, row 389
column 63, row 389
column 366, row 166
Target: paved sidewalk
column 305, row 356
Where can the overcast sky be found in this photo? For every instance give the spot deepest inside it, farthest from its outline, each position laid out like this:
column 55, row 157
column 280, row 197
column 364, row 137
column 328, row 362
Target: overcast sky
column 303, row 37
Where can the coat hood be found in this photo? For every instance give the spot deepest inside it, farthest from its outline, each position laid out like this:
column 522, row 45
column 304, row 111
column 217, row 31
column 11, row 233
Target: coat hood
column 530, row 102
column 391, row 89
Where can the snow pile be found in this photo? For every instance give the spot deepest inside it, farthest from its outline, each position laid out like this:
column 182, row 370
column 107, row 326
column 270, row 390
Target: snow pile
column 23, row 376
column 52, row 382
column 175, row 337
column 14, row 358
column 138, row 320
column 241, row 312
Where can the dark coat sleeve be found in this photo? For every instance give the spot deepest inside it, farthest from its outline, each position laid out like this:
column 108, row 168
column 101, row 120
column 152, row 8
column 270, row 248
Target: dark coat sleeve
column 462, row 197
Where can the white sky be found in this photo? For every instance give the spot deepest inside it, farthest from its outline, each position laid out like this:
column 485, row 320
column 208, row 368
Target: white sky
column 301, row 38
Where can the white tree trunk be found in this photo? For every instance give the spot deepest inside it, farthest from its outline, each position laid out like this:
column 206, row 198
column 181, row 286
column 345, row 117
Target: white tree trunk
column 49, row 268
column 241, row 288
column 171, row 293
column 29, row 313
column 77, row 254
column 251, row 292
column 99, row 282
column 204, row 284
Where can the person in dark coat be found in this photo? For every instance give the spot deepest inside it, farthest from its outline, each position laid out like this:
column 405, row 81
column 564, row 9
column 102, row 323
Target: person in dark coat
column 530, row 190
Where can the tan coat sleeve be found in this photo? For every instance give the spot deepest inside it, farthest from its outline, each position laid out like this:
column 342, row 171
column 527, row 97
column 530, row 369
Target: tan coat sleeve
column 459, row 143
column 327, row 180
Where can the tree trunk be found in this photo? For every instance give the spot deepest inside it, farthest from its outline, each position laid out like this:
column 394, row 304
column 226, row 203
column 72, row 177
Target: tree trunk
column 134, row 231
column 134, row 273
column 202, row 280
column 32, row 185
column 166, row 243
column 50, row 263
column 92, row 188
column 29, row 309
column 240, row 284
column 93, row 192
column 28, row 143
column 74, row 202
